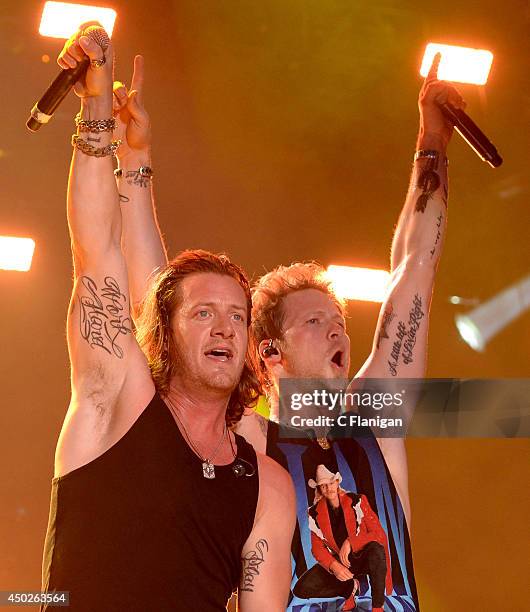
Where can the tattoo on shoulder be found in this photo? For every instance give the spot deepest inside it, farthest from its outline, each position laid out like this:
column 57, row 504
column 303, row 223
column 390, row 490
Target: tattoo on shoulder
column 403, row 346
column 102, row 319
column 251, row 563
column 388, row 316
column 428, row 182
column 263, row 424
column 133, row 177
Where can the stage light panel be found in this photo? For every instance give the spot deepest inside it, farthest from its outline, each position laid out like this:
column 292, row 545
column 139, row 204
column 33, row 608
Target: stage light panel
column 62, row 19
column 353, row 283
column 16, row 253
column 458, row 64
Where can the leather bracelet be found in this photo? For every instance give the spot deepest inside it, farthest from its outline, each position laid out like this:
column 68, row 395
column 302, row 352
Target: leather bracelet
column 88, row 149
column 143, row 171
column 95, row 125
column 429, row 154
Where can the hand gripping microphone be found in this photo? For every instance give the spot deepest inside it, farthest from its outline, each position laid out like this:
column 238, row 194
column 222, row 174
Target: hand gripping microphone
column 43, row 110
column 472, row 134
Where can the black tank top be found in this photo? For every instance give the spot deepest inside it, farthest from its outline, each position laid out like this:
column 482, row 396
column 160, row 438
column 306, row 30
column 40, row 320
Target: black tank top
column 140, row 529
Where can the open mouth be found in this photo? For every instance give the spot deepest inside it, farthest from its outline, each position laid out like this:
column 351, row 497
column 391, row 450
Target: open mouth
column 219, row 354
column 337, row 359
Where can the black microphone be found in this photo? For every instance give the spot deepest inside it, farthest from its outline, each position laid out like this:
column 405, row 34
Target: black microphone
column 472, row 134
column 43, row 110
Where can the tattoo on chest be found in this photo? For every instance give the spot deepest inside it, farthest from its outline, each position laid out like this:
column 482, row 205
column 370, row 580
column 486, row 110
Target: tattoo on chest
column 388, row 316
column 252, row 562
column 428, row 182
column 403, row 346
column 102, row 320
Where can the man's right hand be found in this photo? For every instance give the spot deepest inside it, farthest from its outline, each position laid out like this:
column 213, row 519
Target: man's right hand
column 97, row 82
column 340, row 572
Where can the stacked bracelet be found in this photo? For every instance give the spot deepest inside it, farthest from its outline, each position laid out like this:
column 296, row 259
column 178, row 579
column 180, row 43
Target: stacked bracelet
column 95, row 125
column 430, row 154
column 88, row 149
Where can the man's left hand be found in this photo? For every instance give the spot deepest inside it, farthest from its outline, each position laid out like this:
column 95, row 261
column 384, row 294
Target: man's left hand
column 133, row 125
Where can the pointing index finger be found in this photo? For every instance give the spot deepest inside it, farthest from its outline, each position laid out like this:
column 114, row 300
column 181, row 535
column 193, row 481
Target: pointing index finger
column 433, row 70
column 137, row 82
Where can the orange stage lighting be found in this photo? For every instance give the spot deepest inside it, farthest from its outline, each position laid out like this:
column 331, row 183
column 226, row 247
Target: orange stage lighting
column 459, row 64
column 16, row 253
column 62, row 19
column 359, row 283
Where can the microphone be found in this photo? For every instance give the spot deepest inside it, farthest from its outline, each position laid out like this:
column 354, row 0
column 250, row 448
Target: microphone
column 472, row 134
column 43, row 110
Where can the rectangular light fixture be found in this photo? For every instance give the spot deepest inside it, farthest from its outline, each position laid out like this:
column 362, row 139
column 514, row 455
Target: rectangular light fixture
column 16, row 253
column 62, row 19
column 352, row 283
column 458, row 64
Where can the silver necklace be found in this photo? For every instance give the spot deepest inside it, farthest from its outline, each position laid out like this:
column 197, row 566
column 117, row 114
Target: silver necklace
column 208, row 468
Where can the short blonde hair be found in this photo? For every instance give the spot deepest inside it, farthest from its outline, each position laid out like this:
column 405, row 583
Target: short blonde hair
column 267, row 304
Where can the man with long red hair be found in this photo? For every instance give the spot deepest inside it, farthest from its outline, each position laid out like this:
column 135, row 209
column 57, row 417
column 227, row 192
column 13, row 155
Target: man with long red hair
column 156, row 503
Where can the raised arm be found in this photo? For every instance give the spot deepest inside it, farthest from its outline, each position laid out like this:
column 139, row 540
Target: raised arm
column 101, row 345
column 141, row 239
column 266, row 556
column 400, row 343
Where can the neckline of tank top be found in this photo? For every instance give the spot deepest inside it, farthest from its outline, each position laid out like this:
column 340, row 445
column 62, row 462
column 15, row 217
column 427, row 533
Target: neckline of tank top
column 154, row 401
column 190, row 451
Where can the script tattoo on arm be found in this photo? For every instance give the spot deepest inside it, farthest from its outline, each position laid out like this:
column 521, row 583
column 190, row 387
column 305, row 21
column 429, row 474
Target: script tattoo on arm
column 102, row 320
column 439, row 220
column 428, row 182
column 124, row 199
column 251, row 565
column 403, row 346
column 388, row 316
column 133, row 177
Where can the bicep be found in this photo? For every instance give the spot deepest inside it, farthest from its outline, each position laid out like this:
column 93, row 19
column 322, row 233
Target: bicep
column 99, row 329
column 266, row 555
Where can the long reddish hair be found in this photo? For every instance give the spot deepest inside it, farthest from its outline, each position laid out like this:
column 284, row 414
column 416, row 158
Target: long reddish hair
column 153, row 327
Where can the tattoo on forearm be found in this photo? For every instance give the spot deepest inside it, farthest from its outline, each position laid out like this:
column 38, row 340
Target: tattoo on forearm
column 133, row 177
column 93, row 139
column 251, row 565
column 445, row 195
column 102, row 319
column 439, row 221
column 429, row 181
column 405, row 341
column 388, row 316
column 124, row 199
